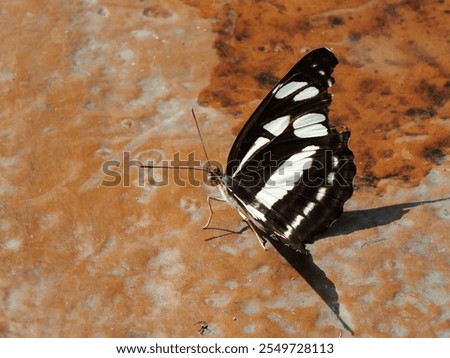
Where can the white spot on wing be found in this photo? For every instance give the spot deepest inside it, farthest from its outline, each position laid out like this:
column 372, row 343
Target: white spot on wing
column 277, row 126
column 259, row 143
column 308, row 208
column 308, row 119
column 270, row 195
column 306, row 93
column 330, row 178
column 335, row 161
column 285, row 177
column 289, row 88
column 298, row 219
column 315, row 130
column 321, row 193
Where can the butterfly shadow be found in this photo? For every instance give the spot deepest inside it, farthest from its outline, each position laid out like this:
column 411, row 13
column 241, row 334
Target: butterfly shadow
column 305, row 266
column 357, row 220
column 314, row 276
column 348, row 223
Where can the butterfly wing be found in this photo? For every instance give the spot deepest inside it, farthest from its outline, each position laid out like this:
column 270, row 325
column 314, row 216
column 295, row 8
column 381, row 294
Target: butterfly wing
column 288, row 169
column 280, row 102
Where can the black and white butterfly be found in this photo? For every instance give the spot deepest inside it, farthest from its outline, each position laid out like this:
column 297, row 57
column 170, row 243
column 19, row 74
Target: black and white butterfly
column 288, row 172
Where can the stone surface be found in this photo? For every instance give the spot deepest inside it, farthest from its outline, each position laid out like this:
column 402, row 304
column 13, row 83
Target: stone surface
column 93, row 82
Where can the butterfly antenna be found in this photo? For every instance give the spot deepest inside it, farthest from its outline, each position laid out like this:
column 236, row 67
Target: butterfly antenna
column 200, row 135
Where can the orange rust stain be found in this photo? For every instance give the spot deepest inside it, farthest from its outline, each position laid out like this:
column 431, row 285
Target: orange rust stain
column 392, row 87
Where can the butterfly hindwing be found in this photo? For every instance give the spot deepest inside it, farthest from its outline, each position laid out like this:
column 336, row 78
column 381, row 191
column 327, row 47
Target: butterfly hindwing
column 288, row 169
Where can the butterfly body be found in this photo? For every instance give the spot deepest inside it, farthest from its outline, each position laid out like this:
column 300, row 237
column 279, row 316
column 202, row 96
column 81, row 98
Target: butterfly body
column 288, row 172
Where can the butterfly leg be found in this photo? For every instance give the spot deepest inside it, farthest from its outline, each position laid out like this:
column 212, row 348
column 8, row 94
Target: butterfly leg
column 248, row 221
column 208, row 199
column 260, row 239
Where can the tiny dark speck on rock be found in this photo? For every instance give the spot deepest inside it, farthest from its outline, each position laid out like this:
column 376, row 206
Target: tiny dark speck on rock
column 157, row 12
column 266, row 79
column 411, row 112
column 437, row 96
column 102, row 11
column 434, row 155
column 354, row 37
column 369, row 178
column 421, row 112
column 336, row 21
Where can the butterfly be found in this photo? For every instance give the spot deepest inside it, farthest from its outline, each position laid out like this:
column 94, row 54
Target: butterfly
column 289, row 173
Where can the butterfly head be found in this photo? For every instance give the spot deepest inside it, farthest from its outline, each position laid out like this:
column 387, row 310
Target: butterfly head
column 214, row 175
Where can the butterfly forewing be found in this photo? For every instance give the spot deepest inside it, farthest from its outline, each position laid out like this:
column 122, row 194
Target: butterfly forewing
column 288, row 170
column 312, row 71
